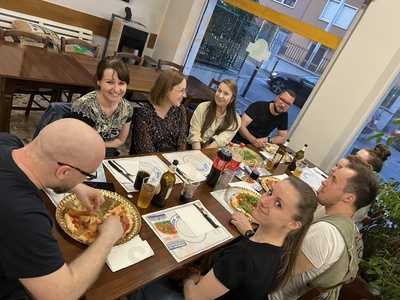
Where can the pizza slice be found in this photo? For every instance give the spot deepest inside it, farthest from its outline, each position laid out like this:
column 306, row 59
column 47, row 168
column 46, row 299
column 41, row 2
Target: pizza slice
column 268, row 182
column 245, row 201
column 84, row 224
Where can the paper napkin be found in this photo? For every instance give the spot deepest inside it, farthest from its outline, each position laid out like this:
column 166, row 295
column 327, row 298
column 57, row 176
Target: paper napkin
column 129, row 253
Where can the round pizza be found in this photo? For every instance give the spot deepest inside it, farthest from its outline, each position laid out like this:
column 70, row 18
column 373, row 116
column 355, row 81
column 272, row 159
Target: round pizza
column 245, row 201
column 84, row 224
column 267, row 182
column 248, row 156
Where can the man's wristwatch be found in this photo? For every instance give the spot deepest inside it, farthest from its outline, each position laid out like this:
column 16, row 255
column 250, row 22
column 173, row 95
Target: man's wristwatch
column 269, row 140
column 249, row 233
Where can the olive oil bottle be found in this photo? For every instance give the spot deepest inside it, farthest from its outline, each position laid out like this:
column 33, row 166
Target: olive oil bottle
column 166, row 185
column 278, row 156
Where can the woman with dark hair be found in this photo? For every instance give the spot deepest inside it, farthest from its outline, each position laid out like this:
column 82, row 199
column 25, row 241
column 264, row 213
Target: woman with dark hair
column 160, row 125
column 105, row 109
column 215, row 123
column 375, row 157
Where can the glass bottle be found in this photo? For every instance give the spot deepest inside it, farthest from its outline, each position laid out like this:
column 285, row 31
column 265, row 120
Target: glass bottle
column 297, row 157
column 166, row 185
column 278, row 156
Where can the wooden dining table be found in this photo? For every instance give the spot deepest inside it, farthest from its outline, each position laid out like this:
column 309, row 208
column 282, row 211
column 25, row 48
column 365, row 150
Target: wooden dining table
column 34, row 67
column 111, row 285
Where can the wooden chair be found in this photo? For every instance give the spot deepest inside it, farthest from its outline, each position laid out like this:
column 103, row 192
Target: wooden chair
column 73, row 41
column 48, row 95
column 94, row 49
column 213, row 84
column 130, row 58
column 165, row 64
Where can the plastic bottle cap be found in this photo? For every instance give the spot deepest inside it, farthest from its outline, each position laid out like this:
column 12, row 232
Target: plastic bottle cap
column 254, row 175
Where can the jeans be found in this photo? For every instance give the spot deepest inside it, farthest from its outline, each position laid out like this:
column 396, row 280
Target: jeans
column 161, row 289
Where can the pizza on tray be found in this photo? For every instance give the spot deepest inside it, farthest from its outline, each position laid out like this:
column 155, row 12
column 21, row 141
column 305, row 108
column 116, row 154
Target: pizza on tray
column 248, row 156
column 245, row 201
column 84, row 224
column 267, row 182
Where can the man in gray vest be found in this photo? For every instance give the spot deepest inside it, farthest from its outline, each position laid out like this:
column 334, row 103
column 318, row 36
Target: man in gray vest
column 332, row 247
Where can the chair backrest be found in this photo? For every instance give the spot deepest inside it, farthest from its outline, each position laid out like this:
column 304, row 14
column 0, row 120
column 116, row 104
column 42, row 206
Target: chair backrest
column 163, row 64
column 130, row 58
column 55, row 111
column 27, row 38
column 93, row 49
column 213, row 84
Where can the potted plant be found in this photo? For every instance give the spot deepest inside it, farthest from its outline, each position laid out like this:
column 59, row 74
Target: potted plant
column 381, row 261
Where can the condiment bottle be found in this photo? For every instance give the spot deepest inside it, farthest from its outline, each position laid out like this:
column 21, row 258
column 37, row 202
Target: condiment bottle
column 166, row 185
column 297, row 158
column 278, row 156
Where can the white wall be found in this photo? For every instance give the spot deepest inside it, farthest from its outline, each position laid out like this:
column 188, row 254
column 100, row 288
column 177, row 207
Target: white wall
column 178, row 29
column 353, row 87
column 148, row 12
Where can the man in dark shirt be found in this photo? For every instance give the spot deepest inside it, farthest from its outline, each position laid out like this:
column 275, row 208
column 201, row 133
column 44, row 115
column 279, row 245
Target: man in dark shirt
column 261, row 118
column 31, row 264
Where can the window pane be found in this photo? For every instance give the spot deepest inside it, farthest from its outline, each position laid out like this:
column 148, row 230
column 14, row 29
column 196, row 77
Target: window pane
column 329, row 11
column 290, row 2
column 345, row 17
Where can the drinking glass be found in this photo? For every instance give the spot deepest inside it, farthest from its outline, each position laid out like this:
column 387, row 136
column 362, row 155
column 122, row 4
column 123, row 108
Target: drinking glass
column 146, row 194
column 300, row 165
column 188, row 190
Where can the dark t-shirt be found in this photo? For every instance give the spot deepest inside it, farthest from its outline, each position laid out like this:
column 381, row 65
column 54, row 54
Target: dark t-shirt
column 27, row 247
column 263, row 121
column 248, row 269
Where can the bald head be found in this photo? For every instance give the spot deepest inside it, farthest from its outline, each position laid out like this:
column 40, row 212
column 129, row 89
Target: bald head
column 70, row 141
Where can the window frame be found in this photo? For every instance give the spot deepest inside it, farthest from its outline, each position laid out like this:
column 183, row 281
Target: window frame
column 321, row 18
column 287, row 5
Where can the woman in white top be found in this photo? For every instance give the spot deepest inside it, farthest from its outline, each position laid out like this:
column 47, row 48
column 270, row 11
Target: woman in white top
column 215, row 123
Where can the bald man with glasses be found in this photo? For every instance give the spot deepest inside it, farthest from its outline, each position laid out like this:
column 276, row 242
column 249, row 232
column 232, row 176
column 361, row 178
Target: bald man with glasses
column 61, row 157
column 261, row 118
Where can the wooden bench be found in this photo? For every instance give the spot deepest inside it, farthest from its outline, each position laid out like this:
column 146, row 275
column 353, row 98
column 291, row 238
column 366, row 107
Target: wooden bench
column 62, row 30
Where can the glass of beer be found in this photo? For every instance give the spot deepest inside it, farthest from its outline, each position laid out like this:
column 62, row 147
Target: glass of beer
column 146, row 194
column 300, row 165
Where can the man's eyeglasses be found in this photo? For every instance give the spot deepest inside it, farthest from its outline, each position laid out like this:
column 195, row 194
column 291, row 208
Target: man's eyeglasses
column 88, row 175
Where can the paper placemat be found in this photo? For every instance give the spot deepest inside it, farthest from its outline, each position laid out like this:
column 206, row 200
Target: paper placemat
column 151, row 164
column 180, row 235
column 194, row 162
column 312, row 177
column 220, row 197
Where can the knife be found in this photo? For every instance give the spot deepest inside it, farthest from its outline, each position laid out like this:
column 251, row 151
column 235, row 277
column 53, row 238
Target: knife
column 183, row 176
column 112, row 164
column 207, row 217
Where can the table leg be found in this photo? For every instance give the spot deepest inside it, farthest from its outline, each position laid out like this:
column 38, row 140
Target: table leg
column 7, row 87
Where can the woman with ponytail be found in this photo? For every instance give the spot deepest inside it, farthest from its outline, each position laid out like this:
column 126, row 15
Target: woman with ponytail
column 375, row 157
column 263, row 260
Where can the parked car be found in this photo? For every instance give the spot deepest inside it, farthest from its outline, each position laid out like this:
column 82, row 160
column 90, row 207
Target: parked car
column 301, row 85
